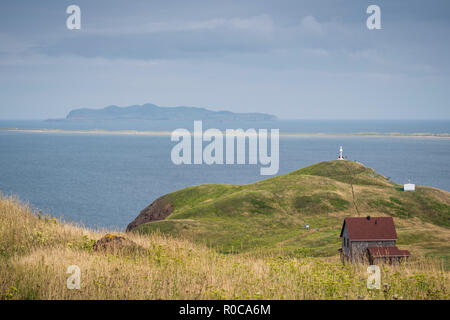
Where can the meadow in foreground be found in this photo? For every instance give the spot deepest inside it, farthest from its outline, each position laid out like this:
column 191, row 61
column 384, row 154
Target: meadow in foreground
column 36, row 250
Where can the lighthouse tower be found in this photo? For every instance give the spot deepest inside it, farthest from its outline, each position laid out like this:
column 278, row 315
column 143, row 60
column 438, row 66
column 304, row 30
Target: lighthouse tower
column 341, row 156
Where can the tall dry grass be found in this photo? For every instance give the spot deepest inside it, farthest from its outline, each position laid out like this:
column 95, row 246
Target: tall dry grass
column 35, row 252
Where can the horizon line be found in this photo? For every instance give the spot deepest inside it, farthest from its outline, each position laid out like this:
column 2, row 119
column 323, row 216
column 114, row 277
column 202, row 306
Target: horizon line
column 278, row 119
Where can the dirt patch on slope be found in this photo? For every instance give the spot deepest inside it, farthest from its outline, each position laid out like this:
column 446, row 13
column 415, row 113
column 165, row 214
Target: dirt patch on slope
column 158, row 210
column 113, row 243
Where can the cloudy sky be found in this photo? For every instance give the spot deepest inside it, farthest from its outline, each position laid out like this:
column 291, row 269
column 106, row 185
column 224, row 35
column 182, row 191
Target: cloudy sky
column 295, row 59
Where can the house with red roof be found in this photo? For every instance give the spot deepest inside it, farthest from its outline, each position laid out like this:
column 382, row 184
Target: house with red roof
column 370, row 239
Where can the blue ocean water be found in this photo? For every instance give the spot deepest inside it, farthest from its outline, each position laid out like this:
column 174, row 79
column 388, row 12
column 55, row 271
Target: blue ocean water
column 105, row 180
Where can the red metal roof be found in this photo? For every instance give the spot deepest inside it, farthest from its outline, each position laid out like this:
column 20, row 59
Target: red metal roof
column 373, row 228
column 388, row 252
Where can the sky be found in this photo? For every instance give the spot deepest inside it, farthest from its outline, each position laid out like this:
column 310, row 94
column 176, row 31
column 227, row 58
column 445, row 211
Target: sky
column 291, row 58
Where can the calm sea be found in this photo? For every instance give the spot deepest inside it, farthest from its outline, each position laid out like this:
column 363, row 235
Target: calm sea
column 105, row 180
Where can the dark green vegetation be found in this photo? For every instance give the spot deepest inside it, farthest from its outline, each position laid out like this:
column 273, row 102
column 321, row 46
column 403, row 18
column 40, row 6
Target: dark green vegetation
column 269, row 215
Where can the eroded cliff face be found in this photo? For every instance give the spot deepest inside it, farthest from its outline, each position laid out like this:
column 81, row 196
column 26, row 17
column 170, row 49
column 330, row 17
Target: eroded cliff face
column 160, row 209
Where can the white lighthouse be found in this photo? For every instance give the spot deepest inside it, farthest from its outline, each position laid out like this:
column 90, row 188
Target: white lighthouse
column 341, row 156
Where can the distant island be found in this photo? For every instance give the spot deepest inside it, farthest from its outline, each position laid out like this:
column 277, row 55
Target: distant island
column 153, row 112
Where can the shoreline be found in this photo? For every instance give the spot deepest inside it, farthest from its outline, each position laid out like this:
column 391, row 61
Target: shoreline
column 292, row 135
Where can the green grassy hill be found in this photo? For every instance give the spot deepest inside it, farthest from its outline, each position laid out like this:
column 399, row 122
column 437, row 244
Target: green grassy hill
column 269, row 215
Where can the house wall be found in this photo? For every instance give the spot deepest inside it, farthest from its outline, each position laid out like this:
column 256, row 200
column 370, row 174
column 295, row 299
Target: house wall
column 345, row 249
column 359, row 248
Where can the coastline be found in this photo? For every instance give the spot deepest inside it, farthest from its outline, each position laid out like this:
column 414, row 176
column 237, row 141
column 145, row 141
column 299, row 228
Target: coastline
column 292, row 135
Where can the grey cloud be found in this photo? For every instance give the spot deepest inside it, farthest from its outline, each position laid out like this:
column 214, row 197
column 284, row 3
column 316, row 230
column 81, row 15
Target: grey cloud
column 307, row 58
column 210, row 38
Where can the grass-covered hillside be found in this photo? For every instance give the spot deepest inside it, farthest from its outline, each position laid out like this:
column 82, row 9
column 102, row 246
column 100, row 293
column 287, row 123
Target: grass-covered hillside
column 36, row 251
column 269, row 215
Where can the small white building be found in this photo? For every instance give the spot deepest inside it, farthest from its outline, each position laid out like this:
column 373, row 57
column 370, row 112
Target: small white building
column 409, row 187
